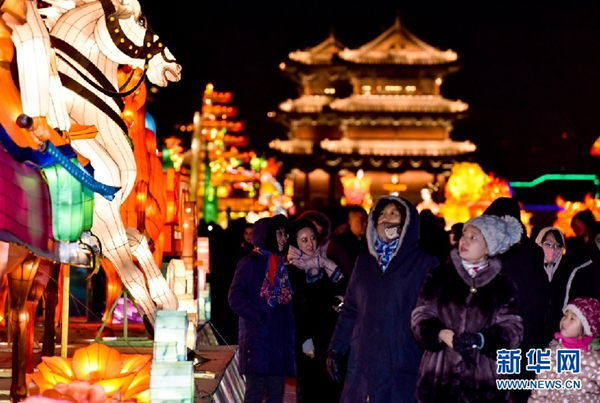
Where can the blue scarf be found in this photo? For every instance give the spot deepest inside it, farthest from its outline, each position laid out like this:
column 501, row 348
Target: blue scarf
column 385, row 251
column 276, row 288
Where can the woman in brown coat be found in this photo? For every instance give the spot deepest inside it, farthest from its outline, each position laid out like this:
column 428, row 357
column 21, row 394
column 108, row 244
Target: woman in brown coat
column 465, row 313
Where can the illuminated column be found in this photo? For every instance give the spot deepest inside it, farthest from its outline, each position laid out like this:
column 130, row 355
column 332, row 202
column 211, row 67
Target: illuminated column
column 196, row 142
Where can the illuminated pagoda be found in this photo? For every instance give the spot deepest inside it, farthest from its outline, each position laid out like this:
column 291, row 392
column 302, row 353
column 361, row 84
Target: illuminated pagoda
column 377, row 108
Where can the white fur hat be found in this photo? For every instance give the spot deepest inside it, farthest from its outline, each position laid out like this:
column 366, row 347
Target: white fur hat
column 500, row 233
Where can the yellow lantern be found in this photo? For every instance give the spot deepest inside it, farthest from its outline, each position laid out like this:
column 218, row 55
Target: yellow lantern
column 356, row 188
column 101, row 365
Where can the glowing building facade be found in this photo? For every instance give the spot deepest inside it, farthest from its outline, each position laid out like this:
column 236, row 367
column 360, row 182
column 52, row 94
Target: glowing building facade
column 377, row 108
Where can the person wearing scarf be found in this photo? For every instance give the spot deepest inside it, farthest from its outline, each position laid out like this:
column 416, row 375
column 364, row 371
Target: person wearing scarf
column 579, row 329
column 261, row 294
column 570, row 275
column 466, row 312
column 373, row 328
column 316, row 281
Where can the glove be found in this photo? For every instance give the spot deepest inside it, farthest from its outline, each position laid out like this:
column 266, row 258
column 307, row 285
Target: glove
column 467, row 341
column 308, row 348
column 465, row 344
column 333, row 365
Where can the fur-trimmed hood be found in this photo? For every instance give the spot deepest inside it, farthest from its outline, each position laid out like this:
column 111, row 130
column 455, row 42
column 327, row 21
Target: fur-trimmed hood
column 540, row 237
column 409, row 233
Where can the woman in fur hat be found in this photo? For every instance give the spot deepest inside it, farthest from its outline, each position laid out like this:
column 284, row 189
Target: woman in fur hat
column 374, row 323
column 579, row 329
column 467, row 310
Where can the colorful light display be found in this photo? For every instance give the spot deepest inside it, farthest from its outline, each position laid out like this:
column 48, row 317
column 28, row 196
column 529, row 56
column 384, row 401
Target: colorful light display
column 233, row 183
column 567, row 209
column 356, row 189
column 110, row 151
column 469, row 191
column 98, row 364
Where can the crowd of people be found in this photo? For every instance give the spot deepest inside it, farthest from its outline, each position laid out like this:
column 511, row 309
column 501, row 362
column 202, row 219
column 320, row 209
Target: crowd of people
column 389, row 307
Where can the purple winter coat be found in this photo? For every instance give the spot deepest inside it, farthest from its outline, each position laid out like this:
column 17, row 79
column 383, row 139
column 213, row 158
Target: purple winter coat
column 375, row 319
column 266, row 334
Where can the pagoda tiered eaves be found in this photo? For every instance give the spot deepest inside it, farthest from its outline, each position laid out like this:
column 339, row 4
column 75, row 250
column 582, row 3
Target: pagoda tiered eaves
column 426, row 148
column 377, row 107
column 375, row 103
column 397, row 45
column 306, row 104
column 320, row 54
column 383, row 148
column 294, row 146
column 398, row 103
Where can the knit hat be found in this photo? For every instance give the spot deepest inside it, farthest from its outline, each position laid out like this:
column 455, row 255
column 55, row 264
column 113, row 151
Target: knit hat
column 500, row 233
column 587, row 311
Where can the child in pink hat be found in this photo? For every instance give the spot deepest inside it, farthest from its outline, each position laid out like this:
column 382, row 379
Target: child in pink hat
column 579, row 329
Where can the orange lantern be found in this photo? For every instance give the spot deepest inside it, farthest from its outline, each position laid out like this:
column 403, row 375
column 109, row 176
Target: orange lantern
column 101, row 365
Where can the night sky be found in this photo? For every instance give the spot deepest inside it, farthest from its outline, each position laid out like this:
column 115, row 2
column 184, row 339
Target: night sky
column 530, row 73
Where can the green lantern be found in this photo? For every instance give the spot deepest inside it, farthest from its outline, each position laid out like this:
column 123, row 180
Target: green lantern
column 66, row 196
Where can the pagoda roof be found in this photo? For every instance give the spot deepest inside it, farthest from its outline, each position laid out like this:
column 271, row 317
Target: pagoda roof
column 397, row 45
column 374, row 103
column 293, row 146
column 398, row 103
column 320, row 54
column 382, row 148
column 306, row 104
column 429, row 148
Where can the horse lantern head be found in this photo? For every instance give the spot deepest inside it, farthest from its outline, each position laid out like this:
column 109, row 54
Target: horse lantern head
column 126, row 38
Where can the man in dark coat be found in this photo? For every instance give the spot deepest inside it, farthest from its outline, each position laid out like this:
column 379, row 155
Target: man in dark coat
column 524, row 264
column 375, row 319
column 345, row 247
column 266, row 326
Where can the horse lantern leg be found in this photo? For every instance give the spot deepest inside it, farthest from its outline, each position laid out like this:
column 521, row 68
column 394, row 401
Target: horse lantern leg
column 159, row 289
column 39, row 283
column 22, row 267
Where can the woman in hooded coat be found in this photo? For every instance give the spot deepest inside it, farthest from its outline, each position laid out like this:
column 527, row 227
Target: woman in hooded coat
column 571, row 275
column 374, row 322
column 261, row 294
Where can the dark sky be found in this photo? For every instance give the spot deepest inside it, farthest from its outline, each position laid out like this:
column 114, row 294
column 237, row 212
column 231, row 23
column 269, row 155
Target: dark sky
column 530, row 73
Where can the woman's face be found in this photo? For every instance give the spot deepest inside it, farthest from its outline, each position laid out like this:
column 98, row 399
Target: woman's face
column 551, row 247
column 282, row 237
column 248, row 235
column 472, row 246
column 307, row 241
column 579, row 227
column 570, row 325
column 387, row 223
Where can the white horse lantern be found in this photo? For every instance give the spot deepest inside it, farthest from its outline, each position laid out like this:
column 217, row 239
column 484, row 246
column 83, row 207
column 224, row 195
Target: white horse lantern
column 91, row 40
